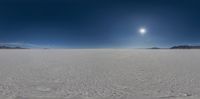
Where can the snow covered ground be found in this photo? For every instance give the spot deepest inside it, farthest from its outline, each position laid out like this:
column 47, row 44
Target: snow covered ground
column 99, row 74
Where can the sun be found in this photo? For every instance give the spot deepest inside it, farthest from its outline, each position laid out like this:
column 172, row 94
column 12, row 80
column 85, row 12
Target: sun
column 142, row 31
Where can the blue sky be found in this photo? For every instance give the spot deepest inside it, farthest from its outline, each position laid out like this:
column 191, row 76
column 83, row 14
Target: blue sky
column 100, row 23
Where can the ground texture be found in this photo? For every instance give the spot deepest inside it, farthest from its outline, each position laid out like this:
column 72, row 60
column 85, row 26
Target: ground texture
column 100, row 74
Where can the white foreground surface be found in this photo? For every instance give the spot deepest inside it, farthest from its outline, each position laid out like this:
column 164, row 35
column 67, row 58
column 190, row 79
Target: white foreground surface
column 100, row 74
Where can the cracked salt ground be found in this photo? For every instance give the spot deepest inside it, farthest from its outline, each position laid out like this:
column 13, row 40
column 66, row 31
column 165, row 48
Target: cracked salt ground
column 183, row 95
column 43, row 89
column 99, row 74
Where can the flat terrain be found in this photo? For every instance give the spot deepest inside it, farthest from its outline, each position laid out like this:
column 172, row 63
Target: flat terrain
column 99, row 74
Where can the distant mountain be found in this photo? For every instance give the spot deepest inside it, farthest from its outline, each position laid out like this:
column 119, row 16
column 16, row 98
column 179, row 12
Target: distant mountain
column 10, row 46
column 155, row 48
column 7, row 47
column 185, row 47
column 23, row 46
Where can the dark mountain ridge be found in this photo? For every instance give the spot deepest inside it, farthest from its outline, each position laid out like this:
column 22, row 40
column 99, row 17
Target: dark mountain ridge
column 185, row 47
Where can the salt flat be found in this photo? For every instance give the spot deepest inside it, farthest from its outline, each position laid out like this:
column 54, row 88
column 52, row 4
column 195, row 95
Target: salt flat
column 99, row 74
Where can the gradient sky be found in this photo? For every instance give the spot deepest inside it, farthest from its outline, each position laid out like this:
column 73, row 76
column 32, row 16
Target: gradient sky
column 100, row 23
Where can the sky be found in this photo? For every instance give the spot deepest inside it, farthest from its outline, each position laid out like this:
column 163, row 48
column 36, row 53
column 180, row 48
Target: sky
column 100, row 23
